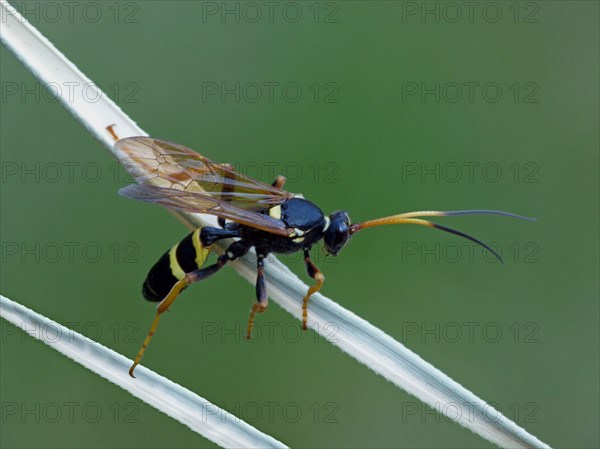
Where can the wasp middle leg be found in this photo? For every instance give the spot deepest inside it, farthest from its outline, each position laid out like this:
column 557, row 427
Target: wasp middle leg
column 316, row 274
column 262, row 299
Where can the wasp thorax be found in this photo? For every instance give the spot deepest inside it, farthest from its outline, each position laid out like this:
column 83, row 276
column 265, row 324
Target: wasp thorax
column 337, row 232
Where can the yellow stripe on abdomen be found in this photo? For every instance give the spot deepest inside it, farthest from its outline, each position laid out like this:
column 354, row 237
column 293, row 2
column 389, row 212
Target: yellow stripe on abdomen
column 201, row 252
column 174, row 264
column 184, row 257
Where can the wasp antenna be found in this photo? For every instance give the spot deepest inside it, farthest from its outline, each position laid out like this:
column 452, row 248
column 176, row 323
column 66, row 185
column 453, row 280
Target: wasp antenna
column 447, row 213
column 484, row 212
column 468, row 237
column 407, row 219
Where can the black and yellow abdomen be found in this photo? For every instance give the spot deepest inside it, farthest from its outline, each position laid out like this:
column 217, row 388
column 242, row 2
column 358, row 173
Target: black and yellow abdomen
column 185, row 257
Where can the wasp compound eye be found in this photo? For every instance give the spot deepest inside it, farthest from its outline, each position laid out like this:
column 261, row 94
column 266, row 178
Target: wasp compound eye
column 337, row 233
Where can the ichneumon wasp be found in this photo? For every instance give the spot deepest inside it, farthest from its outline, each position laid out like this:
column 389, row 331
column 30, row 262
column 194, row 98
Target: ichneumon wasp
column 260, row 216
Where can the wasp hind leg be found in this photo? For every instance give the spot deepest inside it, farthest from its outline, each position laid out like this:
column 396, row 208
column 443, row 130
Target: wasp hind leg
column 235, row 250
column 316, row 274
column 262, row 300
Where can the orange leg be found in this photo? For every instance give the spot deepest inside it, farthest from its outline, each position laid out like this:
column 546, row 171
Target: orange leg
column 279, row 182
column 112, row 132
column 316, row 274
column 262, row 300
column 235, row 250
column 162, row 306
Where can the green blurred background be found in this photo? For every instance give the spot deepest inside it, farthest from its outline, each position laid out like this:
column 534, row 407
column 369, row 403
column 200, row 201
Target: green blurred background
column 362, row 124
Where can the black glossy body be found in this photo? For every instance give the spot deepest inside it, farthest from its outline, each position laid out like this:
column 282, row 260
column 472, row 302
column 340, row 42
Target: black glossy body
column 304, row 219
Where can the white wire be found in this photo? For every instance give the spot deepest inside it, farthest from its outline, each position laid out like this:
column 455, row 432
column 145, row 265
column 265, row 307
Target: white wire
column 170, row 398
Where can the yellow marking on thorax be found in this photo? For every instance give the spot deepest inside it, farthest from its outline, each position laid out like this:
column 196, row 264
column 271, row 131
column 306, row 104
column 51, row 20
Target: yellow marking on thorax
column 201, row 251
column 297, row 233
column 175, row 267
column 275, row 212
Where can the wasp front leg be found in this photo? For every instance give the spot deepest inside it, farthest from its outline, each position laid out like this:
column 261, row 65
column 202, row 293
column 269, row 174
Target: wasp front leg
column 262, row 299
column 235, row 250
column 316, row 274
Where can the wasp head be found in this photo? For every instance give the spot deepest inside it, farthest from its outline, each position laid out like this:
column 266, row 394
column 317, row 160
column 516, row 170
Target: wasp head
column 337, row 232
